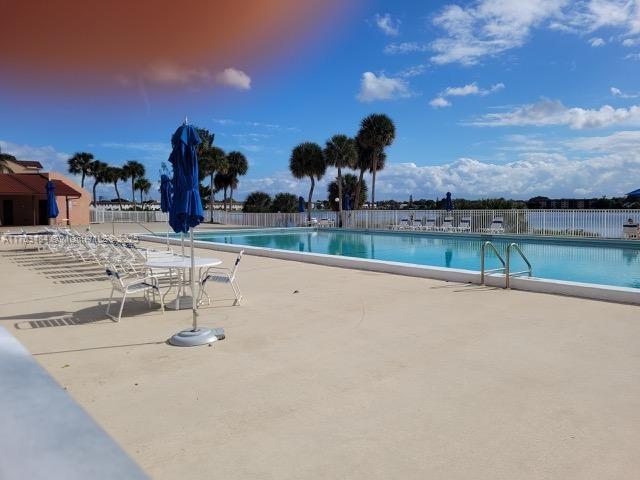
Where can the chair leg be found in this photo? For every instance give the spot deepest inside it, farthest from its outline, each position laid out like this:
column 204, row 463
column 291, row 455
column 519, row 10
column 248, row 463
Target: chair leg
column 236, row 291
column 124, row 297
column 109, row 304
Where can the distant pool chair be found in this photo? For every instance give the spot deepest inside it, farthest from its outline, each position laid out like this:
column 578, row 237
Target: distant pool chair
column 447, row 224
column 464, row 225
column 630, row 230
column 429, row 225
column 497, row 226
column 221, row 275
column 130, row 284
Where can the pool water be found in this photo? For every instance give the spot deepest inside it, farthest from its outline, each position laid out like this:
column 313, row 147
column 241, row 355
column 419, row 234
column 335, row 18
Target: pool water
column 612, row 263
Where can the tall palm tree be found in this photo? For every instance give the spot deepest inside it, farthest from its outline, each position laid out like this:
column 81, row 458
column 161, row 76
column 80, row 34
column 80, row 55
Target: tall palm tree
column 143, row 185
column 79, row 165
column 97, row 170
column 237, row 166
column 221, row 181
column 133, row 170
column 307, row 160
column 377, row 132
column 349, row 184
column 213, row 160
column 113, row 175
column 340, row 152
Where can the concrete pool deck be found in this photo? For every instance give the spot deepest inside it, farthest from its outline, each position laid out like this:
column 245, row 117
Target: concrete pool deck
column 357, row 375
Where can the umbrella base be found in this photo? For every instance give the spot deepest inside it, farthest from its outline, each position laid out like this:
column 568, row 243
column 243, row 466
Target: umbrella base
column 184, row 302
column 201, row 336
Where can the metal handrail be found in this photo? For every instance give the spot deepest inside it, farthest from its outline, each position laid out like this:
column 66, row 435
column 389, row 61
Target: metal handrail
column 508, row 273
column 482, row 269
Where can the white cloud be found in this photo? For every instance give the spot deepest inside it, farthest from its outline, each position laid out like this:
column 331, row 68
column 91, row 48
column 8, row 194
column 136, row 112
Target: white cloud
column 232, row 77
column 404, row 48
column 387, row 24
column 631, row 42
column 531, row 174
column 469, row 89
column 632, row 56
column 48, row 156
column 622, row 142
column 553, row 112
column 486, row 28
column 380, row 87
column 616, row 92
column 440, row 102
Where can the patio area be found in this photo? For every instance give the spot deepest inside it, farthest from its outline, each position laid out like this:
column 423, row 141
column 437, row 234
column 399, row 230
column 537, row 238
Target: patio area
column 337, row 373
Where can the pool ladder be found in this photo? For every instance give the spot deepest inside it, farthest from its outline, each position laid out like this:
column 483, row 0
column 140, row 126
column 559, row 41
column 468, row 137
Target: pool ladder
column 506, row 264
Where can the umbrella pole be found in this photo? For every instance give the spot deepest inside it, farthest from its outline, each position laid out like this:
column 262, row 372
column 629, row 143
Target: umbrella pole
column 194, row 297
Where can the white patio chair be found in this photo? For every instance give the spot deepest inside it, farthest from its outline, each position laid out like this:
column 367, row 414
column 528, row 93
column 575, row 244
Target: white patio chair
column 630, row 230
column 464, row 225
column 130, row 284
column 497, row 226
column 447, row 225
column 429, row 225
column 221, row 275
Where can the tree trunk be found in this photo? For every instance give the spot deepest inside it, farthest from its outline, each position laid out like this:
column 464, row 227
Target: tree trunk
column 356, row 200
column 230, row 198
column 133, row 192
column 313, row 184
column 95, row 184
column 339, row 197
column 374, row 168
column 115, row 185
column 224, row 201
column 211, row 198
column 82, row 181
column 141, row 200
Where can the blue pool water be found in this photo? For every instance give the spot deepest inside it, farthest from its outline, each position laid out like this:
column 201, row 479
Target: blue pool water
column 612, row 263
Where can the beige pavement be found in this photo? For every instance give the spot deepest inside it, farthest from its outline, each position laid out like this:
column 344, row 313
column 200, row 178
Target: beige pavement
column 336, row 373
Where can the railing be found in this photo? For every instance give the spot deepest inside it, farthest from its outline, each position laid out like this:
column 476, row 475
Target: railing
column 483, row 270
column 507, row 272
column 566, row 223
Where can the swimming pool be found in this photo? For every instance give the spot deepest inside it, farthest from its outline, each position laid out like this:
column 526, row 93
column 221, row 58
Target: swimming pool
column 600, row 262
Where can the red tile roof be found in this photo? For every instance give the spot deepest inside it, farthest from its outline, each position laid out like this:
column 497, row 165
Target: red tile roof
column 32, row 184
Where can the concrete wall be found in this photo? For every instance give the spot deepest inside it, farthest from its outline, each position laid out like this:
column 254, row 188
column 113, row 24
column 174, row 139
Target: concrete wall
column 78, row 208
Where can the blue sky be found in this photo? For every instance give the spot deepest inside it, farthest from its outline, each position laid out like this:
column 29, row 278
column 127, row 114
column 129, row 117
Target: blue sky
column 490, row 98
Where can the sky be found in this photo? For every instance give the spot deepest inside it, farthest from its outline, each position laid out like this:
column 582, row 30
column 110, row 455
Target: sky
column 490, row 98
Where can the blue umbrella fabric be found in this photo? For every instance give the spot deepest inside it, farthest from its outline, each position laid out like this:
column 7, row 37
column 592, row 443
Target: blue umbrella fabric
column 52, row 205
column 165, row 193
column 186, row 207
column 346, row 202
column 448, row 203
column 300, row 205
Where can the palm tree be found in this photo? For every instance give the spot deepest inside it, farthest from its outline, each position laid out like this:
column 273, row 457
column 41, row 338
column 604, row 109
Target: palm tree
column 97, row 170
column 307, row 160
column 221, row 181
column 79, row 164
column 112, row 175
column 133, row 170
column 349, row 186
column 340, row 152
column 257, row 202
column 212, row 160
column 284, row 203
column 377, row 132
column 237, row 166
column 144, row 186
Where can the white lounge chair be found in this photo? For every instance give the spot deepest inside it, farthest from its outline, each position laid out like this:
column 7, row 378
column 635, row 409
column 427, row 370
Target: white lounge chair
column 447, row 225
column 497, row 226
column 429, row 225
column 630, row 230
column 464, row 225
column 130, row 284
column 222, row 275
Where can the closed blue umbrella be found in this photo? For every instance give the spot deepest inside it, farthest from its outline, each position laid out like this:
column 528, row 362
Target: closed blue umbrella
column 185, row 214
column 448, row 203
column 165, row 197
column 165, row 193
column 300, row 205
column 52, row 205
column 346, row 202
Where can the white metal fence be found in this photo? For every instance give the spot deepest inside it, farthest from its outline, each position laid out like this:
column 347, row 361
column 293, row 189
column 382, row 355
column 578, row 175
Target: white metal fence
column 572, row 223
